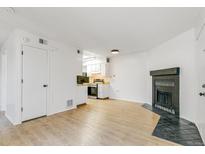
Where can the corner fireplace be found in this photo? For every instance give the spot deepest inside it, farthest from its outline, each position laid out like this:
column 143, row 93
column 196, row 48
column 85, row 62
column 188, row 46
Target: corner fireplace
column 165, row 90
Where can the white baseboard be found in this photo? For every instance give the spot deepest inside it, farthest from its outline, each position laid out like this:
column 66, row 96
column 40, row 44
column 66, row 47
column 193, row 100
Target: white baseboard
column 52, row 113
column 129, row 100
column 63, row 110
column 11, row 120
column 201, row 133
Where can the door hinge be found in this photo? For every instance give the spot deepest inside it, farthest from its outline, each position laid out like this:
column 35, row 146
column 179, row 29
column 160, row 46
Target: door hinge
column 22, row 81
column 22, row 52
column 22, row 109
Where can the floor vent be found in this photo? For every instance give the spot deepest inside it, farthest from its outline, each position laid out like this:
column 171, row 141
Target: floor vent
column 69, row 103
column 42, row 41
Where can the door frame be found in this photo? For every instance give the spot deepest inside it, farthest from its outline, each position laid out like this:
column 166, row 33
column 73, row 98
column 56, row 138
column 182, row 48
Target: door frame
column 48, row 78
column 3, row 81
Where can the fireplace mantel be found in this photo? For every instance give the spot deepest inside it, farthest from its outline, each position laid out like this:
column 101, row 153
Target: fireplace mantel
column 169, row 71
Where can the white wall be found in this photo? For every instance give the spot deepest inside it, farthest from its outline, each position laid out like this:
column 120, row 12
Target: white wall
column 129, row 77
column 65, row 65
column 64, row 62
column 0, row 80
column 200, row 63
column 3, row 81
column 178, row 52
column 12, row 105
column 133, row 82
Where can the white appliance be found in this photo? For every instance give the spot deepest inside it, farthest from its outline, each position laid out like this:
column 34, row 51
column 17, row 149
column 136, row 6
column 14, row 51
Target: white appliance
column 103, row 91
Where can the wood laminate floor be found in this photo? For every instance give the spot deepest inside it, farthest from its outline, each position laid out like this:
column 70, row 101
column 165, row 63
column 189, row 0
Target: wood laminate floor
column 100, row 122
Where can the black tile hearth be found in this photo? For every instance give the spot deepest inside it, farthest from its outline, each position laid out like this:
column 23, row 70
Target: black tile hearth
column 175, row 129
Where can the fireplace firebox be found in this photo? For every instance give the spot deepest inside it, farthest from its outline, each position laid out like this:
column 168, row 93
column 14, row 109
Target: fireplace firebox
column 165, row 90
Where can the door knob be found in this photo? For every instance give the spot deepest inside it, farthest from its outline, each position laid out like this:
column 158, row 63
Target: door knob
column 45, row 85
column 202, row 94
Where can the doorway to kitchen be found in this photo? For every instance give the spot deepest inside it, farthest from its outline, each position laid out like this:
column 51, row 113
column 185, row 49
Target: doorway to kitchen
column 96, row 67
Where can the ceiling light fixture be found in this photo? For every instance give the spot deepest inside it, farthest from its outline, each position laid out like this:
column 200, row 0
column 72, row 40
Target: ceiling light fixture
column 115, row 51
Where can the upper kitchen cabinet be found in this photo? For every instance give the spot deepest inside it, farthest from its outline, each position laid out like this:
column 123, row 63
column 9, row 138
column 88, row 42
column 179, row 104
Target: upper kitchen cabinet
column 95, row 64
column 94, row 68
column 105, row 69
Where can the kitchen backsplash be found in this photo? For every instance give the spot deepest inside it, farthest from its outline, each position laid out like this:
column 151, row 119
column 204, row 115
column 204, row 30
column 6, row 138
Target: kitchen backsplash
column 98, row 76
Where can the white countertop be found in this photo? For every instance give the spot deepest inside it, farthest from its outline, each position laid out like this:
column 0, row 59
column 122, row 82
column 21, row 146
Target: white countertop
column 90, row 84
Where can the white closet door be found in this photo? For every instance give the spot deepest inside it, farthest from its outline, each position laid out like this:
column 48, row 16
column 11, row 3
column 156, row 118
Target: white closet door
column 35, row 79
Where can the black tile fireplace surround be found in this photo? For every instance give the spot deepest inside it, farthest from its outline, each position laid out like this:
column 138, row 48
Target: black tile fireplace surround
column 165, row 102
column 165, row 90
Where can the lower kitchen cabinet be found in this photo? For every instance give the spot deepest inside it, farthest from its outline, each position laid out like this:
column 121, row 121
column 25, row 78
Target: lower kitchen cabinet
column 103, row 91
column 81, row 94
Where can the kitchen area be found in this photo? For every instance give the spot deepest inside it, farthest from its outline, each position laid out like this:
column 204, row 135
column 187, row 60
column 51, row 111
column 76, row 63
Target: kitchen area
column 94, row 82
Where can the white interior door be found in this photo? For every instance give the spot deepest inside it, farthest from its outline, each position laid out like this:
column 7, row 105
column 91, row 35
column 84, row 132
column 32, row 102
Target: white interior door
column 200, row 61
column 34, row 87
